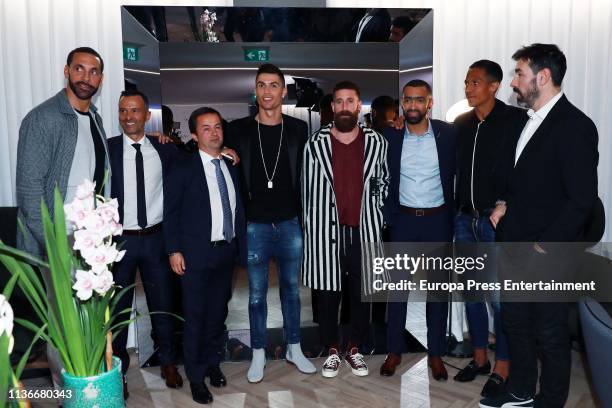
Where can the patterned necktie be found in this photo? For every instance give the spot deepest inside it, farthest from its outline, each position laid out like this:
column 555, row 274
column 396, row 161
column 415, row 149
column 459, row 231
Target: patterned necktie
column 141, row 203
column 228, row 228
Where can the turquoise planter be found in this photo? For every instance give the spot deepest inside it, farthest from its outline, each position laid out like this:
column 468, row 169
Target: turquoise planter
column 100, row 391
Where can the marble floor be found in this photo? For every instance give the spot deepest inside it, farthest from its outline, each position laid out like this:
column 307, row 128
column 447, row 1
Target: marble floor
column 283, row 386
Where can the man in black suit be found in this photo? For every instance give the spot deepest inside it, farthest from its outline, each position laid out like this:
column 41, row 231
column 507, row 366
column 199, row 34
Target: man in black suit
column 205, row 231
column 420, row 208
column 140, row 166
column 550, row 189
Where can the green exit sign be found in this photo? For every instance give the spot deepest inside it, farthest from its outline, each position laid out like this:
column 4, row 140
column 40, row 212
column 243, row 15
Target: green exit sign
column 256, row 55
column 130, row 52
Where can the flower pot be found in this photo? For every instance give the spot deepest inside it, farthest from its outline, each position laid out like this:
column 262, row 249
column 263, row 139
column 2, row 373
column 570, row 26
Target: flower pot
column 103, row 391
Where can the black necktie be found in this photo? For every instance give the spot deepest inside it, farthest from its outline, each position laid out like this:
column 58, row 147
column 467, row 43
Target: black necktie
column 141, row 203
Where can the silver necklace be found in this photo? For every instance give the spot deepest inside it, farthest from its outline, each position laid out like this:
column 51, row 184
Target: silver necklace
column 270, row 183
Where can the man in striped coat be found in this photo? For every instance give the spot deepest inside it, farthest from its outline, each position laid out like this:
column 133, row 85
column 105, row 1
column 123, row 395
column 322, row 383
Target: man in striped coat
column 344, row 184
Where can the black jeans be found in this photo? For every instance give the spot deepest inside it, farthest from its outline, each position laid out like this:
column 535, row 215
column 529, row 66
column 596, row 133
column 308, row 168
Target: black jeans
column 538, row 330
column 328, row 301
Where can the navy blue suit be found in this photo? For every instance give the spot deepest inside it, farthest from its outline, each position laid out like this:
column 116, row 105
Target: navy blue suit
column 405, row 227
column 146, row 253
column 208, row 268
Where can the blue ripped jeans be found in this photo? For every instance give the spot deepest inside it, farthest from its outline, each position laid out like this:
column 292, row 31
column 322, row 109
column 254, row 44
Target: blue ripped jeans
column 468, row 229
column 283, row 241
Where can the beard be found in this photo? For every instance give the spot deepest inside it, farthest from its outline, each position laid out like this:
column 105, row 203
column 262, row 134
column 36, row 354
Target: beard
column 530, row 95
column 82, row 90
column 345, row 121
column 414, row 119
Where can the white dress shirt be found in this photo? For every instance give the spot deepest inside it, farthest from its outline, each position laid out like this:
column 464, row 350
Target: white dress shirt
column 216, row 208
column 153, row 179
column 532, row 125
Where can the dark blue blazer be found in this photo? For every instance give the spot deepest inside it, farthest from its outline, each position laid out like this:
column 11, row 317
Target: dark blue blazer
column 168, row 154
column 187, row 213
column 446, row 144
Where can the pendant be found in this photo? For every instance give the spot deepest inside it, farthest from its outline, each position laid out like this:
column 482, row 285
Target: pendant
column 270, row 184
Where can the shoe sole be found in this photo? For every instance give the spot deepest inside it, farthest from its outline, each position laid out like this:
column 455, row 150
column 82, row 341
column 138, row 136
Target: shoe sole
column 509, row 405
column 360, row 373
column 329, row 374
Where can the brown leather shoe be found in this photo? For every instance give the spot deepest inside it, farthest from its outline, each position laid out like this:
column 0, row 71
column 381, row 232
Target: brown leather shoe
column 390, row 364
column 438, row 371
column 171, row 375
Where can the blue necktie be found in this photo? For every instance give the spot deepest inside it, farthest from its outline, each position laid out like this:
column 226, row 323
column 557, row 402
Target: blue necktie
column 225, row 202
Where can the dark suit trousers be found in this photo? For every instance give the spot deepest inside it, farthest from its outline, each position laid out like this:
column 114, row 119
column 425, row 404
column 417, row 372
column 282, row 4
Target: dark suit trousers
column 532, row 330
column 148, row 255
column 206, row 290
column 328, row 301
column 410, row 228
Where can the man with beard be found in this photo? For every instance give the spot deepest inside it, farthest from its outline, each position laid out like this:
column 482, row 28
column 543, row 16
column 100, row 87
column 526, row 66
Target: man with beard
column 61, row 143
column 270, row 146
column 550, row 190
column 344, row 184
column 420, row 208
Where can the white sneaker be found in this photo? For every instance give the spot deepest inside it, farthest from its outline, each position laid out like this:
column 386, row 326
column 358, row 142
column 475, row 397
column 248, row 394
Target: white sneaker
column 332, row 364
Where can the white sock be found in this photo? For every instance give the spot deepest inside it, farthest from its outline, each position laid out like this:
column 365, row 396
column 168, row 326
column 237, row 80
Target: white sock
column 258, row 363
column 295, row 356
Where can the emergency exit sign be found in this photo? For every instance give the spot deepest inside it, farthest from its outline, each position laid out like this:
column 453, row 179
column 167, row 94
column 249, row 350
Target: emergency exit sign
column 130, row 52
column 256, row 55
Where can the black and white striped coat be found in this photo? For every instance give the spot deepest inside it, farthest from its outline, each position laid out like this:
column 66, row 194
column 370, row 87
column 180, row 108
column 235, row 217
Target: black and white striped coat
column 321, row 260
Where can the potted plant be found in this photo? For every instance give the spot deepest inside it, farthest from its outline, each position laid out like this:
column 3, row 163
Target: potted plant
column 76, row 300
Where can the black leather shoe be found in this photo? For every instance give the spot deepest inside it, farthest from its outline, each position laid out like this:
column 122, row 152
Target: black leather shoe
column 494, row 387
column 200, row 393
column 217, row 379
column 471, row 371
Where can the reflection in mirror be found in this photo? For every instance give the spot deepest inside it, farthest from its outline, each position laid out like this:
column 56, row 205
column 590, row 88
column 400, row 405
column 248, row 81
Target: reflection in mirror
column 188, row 57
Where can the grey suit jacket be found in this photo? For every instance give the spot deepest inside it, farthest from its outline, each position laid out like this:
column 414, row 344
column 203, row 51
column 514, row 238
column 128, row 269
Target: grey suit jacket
column 47, row 140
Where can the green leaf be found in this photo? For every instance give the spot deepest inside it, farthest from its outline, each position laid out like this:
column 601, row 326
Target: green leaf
column 10, row 285
column 24, row 358
column 64, row 299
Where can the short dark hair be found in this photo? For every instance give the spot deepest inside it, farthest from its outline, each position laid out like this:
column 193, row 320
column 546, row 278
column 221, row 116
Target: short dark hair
column 491, row 69
column 85, row 50
column 418, row 83
column 135, row 92
column 346, row 85
column 403, row 22
column 540, row 56
column 205, row 110
column 270, row 69
column 383, row 103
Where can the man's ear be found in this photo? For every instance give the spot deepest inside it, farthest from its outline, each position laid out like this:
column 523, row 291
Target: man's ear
column 544, row 76
column 66, row 71
column 194, row 137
